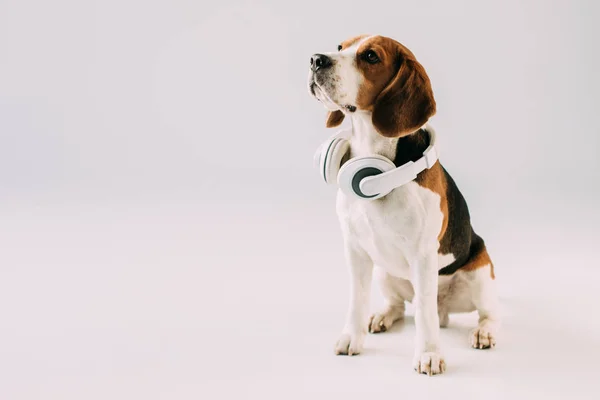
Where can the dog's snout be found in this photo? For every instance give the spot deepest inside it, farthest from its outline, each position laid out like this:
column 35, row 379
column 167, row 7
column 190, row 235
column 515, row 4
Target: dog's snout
column 319, row 61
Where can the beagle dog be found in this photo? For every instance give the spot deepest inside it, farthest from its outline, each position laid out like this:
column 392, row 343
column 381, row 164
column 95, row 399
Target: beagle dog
column 419, row 232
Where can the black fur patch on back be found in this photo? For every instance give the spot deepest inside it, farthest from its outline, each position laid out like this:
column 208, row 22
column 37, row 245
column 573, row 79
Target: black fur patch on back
column 459, row 239
column 458, row 235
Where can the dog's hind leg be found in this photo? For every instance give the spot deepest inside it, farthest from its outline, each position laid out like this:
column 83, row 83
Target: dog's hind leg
column 483, row 292
column 395, row 292
column 479, row 271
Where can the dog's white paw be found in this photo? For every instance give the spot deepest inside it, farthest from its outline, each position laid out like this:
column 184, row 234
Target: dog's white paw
column 482, row 337
column 380, row 323
column 430, row 363
column 349, row 344
column 383, row 320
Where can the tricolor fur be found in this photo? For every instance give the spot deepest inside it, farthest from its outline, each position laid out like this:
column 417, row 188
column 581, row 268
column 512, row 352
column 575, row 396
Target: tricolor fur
column 420, row 235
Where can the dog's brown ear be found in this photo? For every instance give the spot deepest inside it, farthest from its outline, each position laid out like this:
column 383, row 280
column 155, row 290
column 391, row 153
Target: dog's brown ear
column 334, row 118
column 406, row 103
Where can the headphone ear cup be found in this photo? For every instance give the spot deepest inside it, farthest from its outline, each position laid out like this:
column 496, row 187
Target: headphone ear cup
column 357, row 169
column 330, row 161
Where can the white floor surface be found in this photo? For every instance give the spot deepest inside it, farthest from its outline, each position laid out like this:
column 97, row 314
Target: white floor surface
column 242, row 297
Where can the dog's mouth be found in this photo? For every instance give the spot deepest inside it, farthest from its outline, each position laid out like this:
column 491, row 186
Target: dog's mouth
column 311, row 88
column 315, row 89
column 323, row 97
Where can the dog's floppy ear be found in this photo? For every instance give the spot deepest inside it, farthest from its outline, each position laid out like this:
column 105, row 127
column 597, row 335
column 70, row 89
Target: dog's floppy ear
column 334, row 118
column 406, row 103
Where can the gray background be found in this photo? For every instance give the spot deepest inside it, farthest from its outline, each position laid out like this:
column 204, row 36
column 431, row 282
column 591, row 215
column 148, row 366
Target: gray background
column 163, row 233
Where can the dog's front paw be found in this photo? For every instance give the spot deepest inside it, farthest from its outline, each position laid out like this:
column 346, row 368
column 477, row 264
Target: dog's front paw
column 382, row 321
column 379, row 323
column 430, row 363
column 483, row 337
column 349, row 344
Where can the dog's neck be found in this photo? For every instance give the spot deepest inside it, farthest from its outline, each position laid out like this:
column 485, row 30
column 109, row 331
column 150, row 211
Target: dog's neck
column 366, row 140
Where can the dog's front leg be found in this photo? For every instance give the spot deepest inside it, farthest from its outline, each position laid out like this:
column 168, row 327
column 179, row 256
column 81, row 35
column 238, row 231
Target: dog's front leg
column 355, row 329
column 428, row 358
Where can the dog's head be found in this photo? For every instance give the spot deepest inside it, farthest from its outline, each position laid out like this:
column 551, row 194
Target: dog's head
column 374, row 74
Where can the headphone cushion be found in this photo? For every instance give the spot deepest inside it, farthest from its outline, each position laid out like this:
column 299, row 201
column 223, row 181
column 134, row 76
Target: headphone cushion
column 359, row 168
column 332, row 154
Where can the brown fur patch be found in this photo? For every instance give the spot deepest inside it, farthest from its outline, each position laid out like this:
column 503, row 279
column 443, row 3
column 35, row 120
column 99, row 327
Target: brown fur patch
column 334, row 118
column 396, row 89
column 480, row 260
column 376, row 76
column 349, row 42
column 435, row 180
column 406, row 103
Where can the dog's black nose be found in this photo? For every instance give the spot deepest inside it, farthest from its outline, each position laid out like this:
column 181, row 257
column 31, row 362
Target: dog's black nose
column 319, row 61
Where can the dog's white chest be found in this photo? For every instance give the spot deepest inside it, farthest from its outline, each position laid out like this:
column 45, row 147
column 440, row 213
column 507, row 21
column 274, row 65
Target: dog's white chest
column 395, row 229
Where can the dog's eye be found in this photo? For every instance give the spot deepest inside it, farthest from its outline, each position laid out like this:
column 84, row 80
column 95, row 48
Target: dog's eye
column 371, row 57
column 339, row 47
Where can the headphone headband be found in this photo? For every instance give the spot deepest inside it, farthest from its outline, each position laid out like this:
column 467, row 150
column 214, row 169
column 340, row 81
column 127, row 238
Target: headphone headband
column 387, row 181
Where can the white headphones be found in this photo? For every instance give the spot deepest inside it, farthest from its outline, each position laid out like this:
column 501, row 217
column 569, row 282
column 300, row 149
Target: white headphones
column 369, row 177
